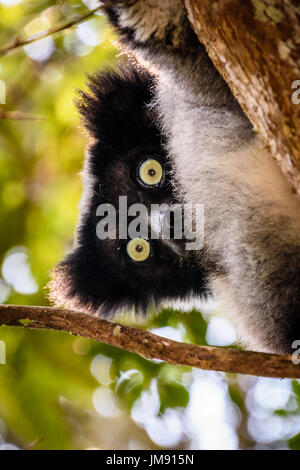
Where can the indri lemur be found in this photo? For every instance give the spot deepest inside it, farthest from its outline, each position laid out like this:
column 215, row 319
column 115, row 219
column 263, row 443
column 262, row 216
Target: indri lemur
column 183, row 113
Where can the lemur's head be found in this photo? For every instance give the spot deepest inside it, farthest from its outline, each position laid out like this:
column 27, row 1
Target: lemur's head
column 110, row 271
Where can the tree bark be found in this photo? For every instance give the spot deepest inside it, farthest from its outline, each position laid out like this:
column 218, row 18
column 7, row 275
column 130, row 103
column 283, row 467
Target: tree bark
column 255, row 44
column 149, row 345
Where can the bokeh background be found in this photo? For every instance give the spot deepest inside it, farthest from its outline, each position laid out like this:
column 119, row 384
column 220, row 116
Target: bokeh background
column 63, row 392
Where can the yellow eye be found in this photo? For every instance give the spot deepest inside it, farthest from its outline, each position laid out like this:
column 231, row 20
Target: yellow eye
column 138, row 249
column 151, row 172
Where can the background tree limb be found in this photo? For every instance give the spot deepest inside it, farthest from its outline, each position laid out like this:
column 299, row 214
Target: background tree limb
column 21, row 41
column 149, row 345
column 255, row 44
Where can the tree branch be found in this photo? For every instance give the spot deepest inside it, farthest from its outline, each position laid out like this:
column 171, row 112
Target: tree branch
column 255, row 46
column 20, row 42
column 147, row 344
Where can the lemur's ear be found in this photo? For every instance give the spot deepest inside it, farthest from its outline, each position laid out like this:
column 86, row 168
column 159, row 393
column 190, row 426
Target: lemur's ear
column 83, row 281
column 79, row 282
column 112, row 99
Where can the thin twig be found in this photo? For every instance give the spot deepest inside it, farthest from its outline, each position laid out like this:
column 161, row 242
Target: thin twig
column 20, row 42
column 149, row 345
column 19, row 116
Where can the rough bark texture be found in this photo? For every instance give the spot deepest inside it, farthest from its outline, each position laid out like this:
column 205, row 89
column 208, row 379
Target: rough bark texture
column 255, row 44
column 149, row 345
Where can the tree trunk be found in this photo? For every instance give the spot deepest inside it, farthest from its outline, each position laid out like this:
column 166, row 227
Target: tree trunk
column 255, row 44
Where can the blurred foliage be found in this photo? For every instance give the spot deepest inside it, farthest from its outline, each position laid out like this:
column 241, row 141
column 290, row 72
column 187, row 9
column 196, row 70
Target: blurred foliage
column 47, row 387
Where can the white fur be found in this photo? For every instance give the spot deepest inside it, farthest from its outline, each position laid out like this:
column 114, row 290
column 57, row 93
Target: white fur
column 233, row 179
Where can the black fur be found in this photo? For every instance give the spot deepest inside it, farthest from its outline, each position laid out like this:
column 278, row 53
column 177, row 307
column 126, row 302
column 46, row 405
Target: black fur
column 98, row 276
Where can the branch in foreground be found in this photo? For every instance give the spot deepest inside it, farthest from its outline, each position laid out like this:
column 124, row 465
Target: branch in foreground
column 149, row 345
column 20, row 42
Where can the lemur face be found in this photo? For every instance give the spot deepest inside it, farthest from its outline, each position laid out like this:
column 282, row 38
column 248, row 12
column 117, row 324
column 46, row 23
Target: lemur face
column 114, row 273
